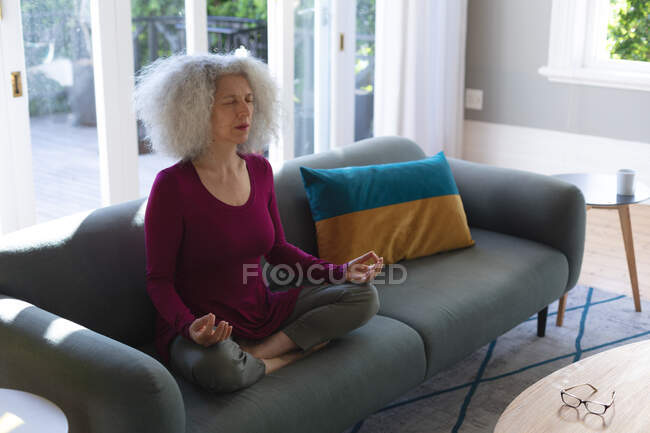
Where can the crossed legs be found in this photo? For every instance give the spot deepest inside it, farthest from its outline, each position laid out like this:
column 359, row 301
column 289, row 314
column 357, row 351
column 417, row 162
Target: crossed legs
column 321, row 314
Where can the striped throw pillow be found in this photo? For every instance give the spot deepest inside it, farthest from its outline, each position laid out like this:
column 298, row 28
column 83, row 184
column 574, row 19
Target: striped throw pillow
column 401, row 210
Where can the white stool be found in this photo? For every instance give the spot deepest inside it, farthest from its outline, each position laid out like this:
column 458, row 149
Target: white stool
column 24, row 412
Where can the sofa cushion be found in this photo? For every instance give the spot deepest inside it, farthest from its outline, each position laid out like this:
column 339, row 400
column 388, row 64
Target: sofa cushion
column 402, row 210
column 462, row 299
column 328, row 391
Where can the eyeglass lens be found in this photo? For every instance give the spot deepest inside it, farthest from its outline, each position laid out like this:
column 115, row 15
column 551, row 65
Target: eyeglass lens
column 592, row 407
column 596, row 408
column 570, row 401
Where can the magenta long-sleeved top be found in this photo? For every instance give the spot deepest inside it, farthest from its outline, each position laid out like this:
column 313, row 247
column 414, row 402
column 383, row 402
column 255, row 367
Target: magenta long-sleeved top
column 203, row 255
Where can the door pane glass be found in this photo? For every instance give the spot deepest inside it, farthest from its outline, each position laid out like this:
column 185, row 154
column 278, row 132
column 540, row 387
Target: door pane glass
column 364, row 69
column 304, row 77
column 158, row 31
column 60, row 81
column 236, row 23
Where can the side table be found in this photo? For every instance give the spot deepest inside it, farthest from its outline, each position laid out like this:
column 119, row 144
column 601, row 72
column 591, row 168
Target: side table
column 599, row 191
column 29, row 413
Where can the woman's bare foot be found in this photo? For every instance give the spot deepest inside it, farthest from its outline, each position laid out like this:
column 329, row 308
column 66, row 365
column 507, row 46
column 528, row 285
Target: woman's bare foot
column 270, row 347
column 274, row 364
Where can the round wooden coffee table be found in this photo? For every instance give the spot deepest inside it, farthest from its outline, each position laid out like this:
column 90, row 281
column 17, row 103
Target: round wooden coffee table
column 22, row 411
column 625, row 369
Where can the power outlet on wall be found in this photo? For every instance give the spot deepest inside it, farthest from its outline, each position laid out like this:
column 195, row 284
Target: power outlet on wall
column 474, row 99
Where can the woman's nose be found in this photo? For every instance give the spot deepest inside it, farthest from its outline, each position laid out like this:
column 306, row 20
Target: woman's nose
column 244, row 108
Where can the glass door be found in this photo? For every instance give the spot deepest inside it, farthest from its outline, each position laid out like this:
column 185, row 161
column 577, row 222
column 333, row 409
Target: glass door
column 54, row 129
column 62, row 116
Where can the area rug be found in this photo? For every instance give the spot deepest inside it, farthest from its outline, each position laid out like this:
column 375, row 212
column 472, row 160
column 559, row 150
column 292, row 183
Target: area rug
column 470, row 397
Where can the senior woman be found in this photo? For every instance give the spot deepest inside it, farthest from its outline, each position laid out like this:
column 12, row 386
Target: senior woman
column 213, row 214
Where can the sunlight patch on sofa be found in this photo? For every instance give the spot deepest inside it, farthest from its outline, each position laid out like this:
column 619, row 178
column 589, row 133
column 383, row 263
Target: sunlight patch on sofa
column 11, row 308
column 60, row 328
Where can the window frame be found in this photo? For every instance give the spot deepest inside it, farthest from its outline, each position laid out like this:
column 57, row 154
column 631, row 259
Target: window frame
column 577, row 55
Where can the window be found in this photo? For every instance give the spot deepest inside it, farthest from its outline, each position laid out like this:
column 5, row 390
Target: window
column 600, row 43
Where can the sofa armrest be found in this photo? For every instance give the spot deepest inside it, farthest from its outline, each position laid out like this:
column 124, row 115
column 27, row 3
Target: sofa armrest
column 528, row 205
column 100, row 384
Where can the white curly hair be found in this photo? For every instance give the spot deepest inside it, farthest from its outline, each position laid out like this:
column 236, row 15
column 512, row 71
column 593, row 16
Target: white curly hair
column 174, row 97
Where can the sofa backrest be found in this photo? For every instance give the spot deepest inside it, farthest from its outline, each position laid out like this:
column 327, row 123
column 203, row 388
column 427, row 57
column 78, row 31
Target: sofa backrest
column 90, row 267
column 292, row 200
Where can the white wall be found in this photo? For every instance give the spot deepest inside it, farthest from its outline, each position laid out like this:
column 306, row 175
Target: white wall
column 551, row 152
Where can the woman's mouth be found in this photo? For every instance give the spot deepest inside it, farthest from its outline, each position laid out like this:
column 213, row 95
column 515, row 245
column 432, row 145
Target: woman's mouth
column 242, row 127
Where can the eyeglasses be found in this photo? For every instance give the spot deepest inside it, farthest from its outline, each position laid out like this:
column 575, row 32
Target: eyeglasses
column 594, row 407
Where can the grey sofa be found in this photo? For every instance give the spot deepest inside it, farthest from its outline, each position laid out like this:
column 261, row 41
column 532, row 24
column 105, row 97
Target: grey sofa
column 76, row 324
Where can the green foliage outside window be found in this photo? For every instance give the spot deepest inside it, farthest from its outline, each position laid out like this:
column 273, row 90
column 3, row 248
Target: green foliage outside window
column 629, row 30
column 156, row 8
column 147, row 50
column 363, row 67
column 243, row 8
column 255, row 9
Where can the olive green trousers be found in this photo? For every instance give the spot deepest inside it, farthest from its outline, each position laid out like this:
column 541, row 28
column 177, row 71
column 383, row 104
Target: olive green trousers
column 321, row 313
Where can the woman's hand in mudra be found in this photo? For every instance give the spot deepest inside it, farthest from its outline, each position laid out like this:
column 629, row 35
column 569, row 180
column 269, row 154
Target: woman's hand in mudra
column 359, row 273
column 203, row 331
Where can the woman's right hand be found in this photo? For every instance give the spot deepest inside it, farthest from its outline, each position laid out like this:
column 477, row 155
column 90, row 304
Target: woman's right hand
column 359, row 273
column 203, row 331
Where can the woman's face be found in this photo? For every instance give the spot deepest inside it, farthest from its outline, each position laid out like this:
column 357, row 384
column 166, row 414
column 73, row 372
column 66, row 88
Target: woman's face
column 232, row 112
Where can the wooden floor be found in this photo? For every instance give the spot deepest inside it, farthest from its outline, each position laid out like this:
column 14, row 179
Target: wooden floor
column 604, row 265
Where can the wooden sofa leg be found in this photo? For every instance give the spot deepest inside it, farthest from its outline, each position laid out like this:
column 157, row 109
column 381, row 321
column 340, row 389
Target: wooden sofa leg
column 561, row 307
column 541, row 322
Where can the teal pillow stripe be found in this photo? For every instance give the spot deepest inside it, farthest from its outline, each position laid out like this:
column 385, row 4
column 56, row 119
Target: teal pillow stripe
column 338, row 191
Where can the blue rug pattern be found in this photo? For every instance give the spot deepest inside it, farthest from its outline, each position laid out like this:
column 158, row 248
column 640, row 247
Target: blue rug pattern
column 470, row 397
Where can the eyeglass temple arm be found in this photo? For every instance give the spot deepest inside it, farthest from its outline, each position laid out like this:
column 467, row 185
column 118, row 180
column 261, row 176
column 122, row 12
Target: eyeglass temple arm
column 612, row 401
column 582, row 384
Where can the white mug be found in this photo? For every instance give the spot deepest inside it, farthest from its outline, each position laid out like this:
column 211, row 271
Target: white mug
column 625, row 180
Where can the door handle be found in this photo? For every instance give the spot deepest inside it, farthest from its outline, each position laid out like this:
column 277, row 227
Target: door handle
column 16, row 84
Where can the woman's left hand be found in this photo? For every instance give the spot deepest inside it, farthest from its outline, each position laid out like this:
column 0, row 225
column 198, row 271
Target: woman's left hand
column 360, row 273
